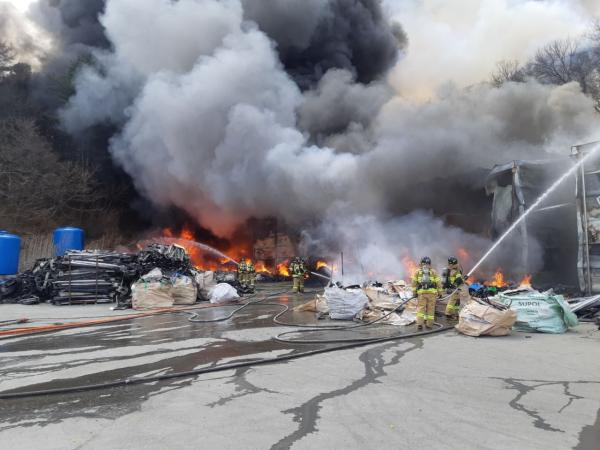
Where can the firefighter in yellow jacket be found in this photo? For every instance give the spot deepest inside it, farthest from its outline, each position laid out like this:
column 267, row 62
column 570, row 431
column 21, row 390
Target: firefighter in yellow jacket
column 428, row 286
column 250, row 273
column 242, row 271
column 455, row 284
column 299, row 272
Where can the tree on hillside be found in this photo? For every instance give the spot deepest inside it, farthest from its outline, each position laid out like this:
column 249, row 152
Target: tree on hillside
column 561, row 62
column 37, row 190
column 507, row 71
column 7, row 57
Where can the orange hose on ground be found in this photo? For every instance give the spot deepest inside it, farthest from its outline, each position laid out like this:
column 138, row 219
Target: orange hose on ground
column 62, row 326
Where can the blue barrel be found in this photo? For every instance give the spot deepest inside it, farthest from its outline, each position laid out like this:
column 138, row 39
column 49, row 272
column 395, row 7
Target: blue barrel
column 68, row 238
column 10, row 248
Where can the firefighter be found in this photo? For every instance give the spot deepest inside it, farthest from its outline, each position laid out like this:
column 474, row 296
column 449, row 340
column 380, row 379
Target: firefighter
column 242, row 269
column 427, row 285
column 250, row 274
column 298, row 270
column 455, row 284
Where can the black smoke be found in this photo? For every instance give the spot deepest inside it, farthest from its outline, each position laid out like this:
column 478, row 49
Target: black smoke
column 315, row 36
column 72, row 23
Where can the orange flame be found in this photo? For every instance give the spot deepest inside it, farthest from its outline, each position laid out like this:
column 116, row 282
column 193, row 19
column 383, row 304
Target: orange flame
column 410, row 266
column 201, row 259
column 260, row 267
column 498, row 280
column 321, row 264
column 282, row 269
column 526, row 281
column 463, row 254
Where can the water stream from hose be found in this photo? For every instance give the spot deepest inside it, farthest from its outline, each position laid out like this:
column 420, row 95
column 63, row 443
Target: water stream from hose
column 534, row 205
column 200, row 245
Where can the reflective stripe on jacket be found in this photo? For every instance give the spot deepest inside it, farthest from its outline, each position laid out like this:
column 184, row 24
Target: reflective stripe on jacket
column 434, row 286
column 297, row 269
column 450, row 275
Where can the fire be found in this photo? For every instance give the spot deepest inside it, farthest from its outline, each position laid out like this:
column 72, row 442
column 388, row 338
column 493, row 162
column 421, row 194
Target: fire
column 463, row 255
column 282, row 269
column 187, row 234
column 201, row 259
column 526, row 281
column 498, row 280
column 410, row 266
column 260, row 267
column 321, row 264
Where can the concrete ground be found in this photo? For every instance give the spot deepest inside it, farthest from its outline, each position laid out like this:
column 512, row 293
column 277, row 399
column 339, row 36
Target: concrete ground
column 524, row 391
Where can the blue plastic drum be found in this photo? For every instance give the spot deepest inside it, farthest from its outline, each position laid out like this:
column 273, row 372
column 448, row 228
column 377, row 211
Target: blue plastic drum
column 68, row 238
column 10, row 249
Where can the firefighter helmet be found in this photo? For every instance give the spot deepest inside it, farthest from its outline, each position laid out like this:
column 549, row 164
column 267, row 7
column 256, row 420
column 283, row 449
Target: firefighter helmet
column 426, row 260
column 453, row 260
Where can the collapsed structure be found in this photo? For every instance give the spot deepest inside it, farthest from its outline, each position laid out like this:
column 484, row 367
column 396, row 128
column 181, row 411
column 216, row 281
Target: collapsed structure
column 560, row 238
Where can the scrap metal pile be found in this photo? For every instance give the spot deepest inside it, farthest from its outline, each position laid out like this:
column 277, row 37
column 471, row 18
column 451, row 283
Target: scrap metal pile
column 587, row 308
column 96, row 276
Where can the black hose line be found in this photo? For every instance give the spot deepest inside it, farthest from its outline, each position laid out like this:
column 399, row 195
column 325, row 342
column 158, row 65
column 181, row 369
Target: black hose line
column 219, row 368
column 348, row 344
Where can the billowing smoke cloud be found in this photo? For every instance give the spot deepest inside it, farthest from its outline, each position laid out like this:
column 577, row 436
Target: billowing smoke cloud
column 317, row 35
column 338, row 106
column 469, row 129
column 72, row 23
column 462, row 44
column 216, row 119
column 388, row 248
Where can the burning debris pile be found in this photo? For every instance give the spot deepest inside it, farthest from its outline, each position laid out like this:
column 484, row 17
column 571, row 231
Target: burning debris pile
column 497, row 284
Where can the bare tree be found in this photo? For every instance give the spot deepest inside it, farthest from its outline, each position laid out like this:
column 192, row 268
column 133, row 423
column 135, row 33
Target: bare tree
column 561, row 62
column 37, row 190
column 7, row 57
column 507, row 71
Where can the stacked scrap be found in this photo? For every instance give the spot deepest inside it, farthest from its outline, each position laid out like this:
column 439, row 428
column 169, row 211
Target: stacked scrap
column 93, row 277
column 96, row 276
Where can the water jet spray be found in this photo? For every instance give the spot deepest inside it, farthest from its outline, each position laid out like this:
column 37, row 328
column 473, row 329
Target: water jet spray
column 535, row 204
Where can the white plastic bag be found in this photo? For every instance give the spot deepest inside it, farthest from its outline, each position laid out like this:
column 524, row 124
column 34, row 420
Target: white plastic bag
column 154, row 275
column 345, row 304
column 223, row 292
column 205, row 281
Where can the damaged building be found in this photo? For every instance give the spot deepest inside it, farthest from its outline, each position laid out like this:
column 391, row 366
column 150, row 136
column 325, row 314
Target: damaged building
column 558, row 227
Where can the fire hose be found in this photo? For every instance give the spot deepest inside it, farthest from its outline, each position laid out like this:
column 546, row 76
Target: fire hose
column 351, row 343
column 212, row 369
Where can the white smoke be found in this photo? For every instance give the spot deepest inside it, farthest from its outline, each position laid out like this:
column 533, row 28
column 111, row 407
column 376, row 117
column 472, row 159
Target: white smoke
column 380, row 248
column 213, row 124
column 462, row 44
column 28, row 42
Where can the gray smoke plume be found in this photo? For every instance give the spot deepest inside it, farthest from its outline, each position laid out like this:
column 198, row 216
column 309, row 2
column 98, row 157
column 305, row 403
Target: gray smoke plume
column 72, row 23
column 215, row 121
column 388, row 248
column 317, row 35
column 338, row 106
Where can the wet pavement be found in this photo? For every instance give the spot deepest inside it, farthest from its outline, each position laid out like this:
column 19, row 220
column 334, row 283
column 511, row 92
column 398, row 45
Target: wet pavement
column 521, row 391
